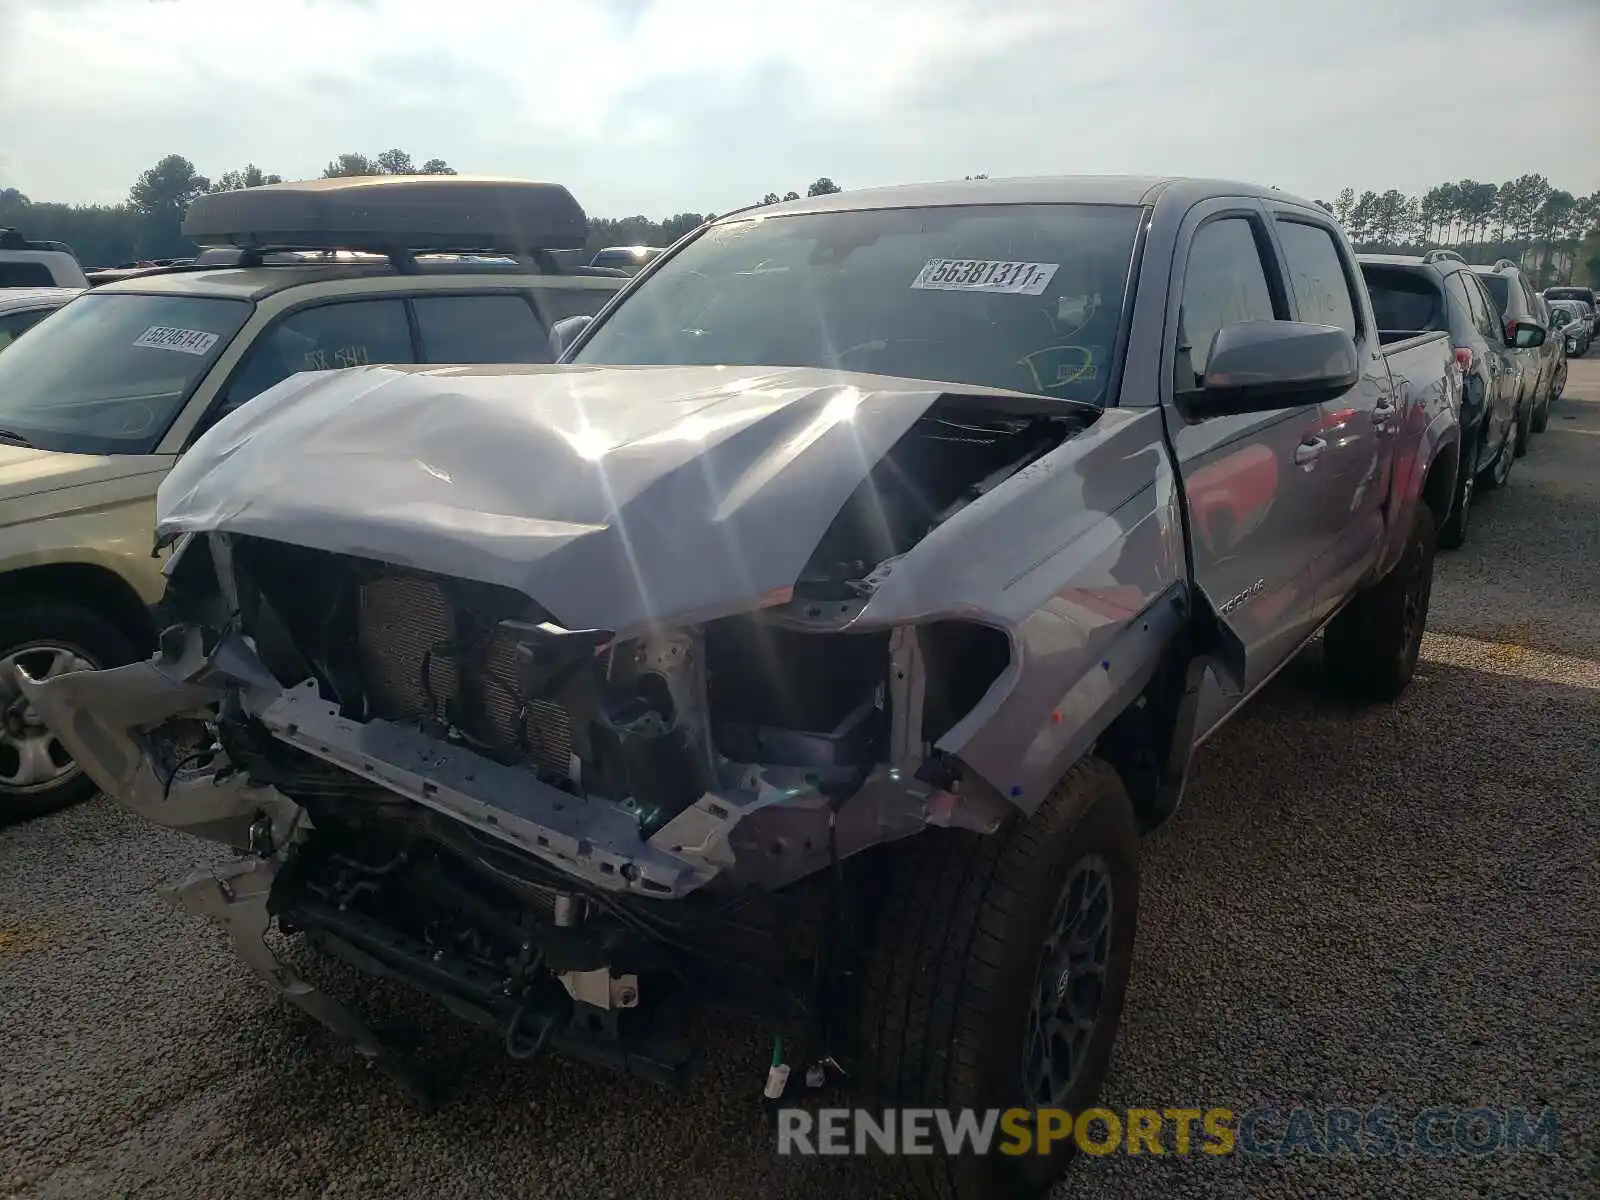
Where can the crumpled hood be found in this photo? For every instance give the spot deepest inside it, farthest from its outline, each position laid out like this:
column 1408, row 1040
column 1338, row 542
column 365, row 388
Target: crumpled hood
column 610, row 495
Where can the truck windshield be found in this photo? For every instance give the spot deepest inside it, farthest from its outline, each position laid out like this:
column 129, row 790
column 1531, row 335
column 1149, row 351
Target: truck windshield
column 1023, row 297
column 108, row 373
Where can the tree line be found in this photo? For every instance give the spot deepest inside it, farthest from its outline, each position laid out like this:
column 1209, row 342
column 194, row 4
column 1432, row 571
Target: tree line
column 1552, row 231
column 148, row 224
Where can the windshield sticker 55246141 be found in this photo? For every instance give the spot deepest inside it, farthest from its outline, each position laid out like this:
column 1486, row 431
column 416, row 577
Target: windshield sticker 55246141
column 168, row 337
column 984, row 275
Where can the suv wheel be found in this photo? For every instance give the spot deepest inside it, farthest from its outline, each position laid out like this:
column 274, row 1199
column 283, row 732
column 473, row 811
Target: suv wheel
column 1371, row 647
column 46, row 637
column 1524, row 428
column 998, row 974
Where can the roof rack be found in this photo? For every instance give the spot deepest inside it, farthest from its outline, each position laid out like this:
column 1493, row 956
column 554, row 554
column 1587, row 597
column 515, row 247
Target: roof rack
column 397, row 216
column 10, row 239
column 1433, row 256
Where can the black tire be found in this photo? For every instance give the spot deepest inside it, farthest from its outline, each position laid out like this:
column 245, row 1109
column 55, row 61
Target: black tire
column 44, row 621
column 1371, row 647
column 1524, row 428
column 1454, row 530
column 958, row 962
column 1541, row 419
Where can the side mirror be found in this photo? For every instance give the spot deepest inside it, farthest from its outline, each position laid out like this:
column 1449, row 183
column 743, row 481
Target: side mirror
column 565, row 331
column 1257, row 366
column 1525, row 335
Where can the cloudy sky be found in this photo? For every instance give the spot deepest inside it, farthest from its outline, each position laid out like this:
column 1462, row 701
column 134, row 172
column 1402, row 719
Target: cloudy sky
column 658, row 106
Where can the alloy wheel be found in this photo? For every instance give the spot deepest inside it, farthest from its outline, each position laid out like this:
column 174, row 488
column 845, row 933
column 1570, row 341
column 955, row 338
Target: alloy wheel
column 32, row 758
column 1070, row 985
column 1414, row 605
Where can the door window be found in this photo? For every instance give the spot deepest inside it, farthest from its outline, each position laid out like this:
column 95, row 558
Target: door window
column 480, row 329
column 351, row 333
column 1316, row 272
column 1225, row 283
column 1482, row 307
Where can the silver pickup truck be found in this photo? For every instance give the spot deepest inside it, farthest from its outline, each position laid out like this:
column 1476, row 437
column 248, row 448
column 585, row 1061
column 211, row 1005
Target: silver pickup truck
column 816, row 639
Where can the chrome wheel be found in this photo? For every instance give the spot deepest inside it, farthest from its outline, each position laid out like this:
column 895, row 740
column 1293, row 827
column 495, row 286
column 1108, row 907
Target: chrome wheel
column 1070, row 985
column 32, row 759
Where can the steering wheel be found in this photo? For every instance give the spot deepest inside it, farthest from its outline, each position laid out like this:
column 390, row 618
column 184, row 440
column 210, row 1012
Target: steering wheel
column 137, row 420
column 1076, row 365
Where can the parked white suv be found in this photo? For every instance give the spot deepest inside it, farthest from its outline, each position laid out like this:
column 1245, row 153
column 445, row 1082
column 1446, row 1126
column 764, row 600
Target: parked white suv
column 38, row 264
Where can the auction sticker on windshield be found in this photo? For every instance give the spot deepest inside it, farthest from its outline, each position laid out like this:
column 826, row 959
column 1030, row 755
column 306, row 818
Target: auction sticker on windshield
column 984, row 275
column 168, row 337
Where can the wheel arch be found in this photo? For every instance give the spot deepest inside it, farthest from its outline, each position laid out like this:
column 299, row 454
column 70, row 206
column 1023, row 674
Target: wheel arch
column 1438, row 488
column 88, row 585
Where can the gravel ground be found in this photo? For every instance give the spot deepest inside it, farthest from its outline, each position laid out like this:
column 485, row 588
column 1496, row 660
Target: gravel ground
column 1354, row 907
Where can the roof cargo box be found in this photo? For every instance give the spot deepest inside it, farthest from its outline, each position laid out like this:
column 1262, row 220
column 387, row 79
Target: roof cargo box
column 392, row 214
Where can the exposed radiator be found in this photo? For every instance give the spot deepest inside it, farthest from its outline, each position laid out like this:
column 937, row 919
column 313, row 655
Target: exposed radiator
column 414, row 664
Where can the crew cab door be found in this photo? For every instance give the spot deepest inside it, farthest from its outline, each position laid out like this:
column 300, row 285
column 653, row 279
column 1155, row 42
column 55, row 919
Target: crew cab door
column 1253, row 482
column 1361, row 427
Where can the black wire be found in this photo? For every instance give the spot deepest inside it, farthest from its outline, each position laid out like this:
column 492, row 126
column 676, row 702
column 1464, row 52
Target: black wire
column 192, row 757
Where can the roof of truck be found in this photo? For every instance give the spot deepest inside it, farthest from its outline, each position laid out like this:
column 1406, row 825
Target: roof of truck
column 1034, row 189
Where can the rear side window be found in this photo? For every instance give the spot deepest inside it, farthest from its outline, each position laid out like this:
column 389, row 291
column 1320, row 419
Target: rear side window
column 1405, row 301
column 1225, row 283
column 25, row 274
column 480, row 329
column 1316, row 272
column 351, row 333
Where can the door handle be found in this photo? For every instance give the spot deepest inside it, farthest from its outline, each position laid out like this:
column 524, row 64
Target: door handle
column 1307, row 453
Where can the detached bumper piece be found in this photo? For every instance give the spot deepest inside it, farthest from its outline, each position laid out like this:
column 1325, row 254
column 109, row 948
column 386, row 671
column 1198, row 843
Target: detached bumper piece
column 235, row 897
column 239, row 898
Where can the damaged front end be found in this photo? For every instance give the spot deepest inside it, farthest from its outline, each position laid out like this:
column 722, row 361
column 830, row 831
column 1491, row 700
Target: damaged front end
column 569, row 836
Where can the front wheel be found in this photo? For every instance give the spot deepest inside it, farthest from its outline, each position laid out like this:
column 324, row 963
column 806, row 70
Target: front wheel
column 998, row 975
column 1371, row 647
column 46, row 637
column 1524, row 428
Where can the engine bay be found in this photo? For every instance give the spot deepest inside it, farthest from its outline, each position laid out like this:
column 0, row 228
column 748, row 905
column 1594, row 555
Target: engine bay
column 542, row 824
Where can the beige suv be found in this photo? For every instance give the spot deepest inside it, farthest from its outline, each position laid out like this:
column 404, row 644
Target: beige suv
column 100, row 399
